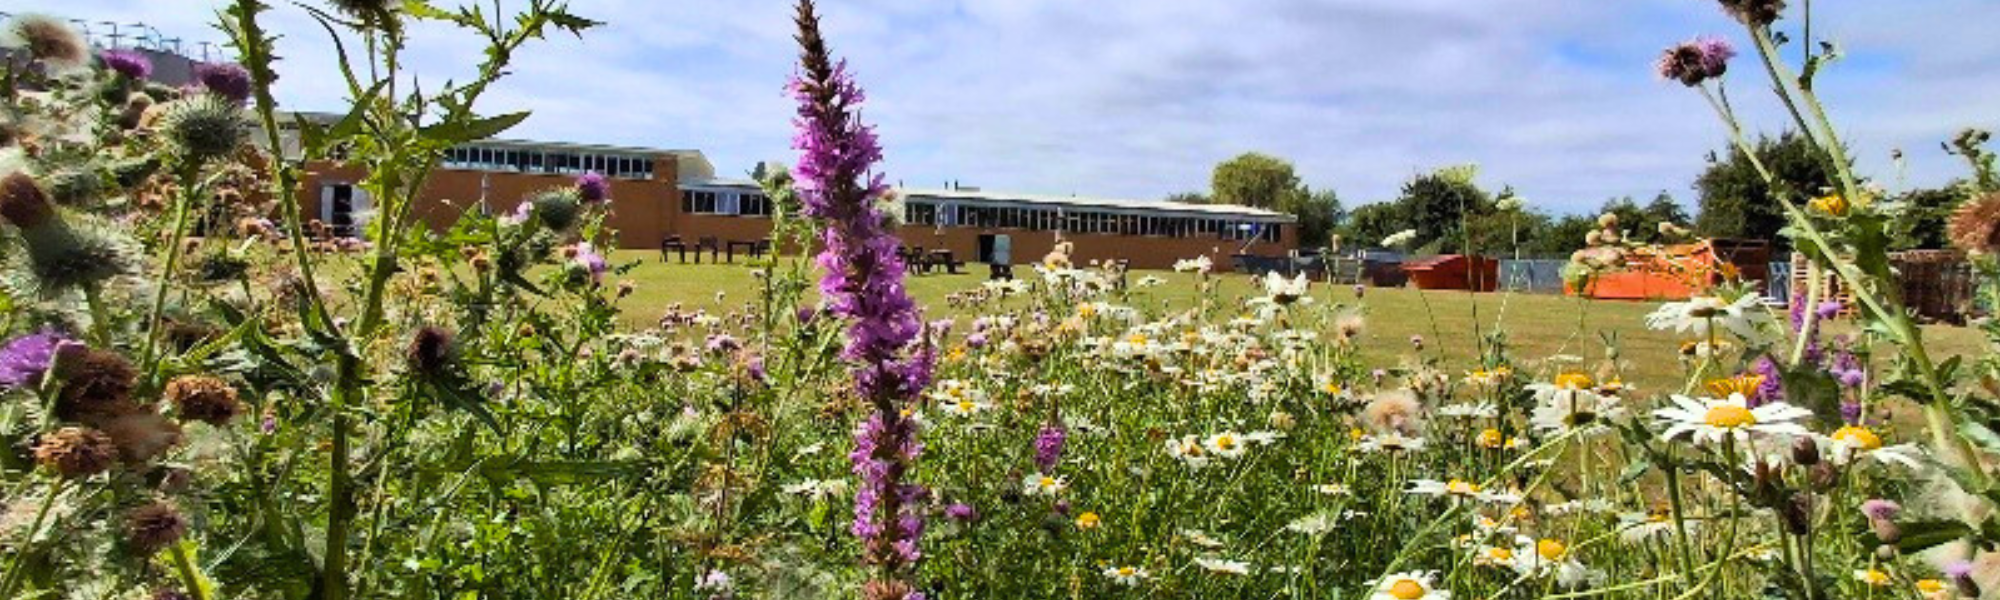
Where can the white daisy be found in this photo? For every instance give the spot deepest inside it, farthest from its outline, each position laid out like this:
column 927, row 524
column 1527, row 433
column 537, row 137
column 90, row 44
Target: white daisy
column 1188, row 450
column 1043, row 485
column 1199, row 264
column 1710, row 420
column 1223, row 566
column 1333, row 489
column 1457, row 489
column 1858, row 441
column 817, row 489
column 1634, row 528
column 1151, row 281
column 1200, row 539
column 1410, row 585
column 1282, row 291
column 1391, row 442
column 1469, row 410
column 1313, row 524
column 1743, row 318
column 1126, row 576
column 1227, row 444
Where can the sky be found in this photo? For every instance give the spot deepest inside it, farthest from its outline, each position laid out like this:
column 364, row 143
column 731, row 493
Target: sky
column 1141, row 98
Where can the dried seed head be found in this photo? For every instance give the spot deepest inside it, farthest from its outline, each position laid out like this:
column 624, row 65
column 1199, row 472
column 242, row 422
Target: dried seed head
column 96, row 385
column 23, row 203
column 203, row 398
column 142, row 435
column 76, row 452
column 153, row 527
column 430, row 351
column 1975, row 226
column 47, row 39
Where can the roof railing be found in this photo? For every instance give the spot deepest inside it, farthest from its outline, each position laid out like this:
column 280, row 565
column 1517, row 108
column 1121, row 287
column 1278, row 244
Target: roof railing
column 112, row 34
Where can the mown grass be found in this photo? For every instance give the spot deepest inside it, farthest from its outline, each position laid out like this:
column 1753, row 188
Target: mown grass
column 1537, row 325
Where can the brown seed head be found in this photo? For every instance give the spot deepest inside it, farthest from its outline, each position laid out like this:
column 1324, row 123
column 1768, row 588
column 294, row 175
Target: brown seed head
column 203, row 398
column 76, row 452
column 23, row 203
column 153, row 527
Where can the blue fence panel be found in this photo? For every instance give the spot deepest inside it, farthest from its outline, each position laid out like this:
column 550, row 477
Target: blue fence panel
column 1779, row 286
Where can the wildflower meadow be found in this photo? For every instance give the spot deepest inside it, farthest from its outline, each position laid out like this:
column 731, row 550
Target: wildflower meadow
column 200, row 399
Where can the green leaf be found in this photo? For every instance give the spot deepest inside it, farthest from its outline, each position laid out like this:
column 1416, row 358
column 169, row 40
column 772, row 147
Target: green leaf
column 1634, row 471
column 452, row 133
column 1923, row 535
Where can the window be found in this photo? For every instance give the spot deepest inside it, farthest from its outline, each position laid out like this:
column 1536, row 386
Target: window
column 698, row 202
column 755, row 205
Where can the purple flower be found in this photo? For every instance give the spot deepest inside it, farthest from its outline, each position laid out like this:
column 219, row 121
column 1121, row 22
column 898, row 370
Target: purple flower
column 1049, row 447
column 862, row 282
column 975, row 341
column 961, row 512
column 1772, row 387
column 1881, row 509
column 1850, row 412
column 1829, row 309
column 720, row 343
column 592, row 262
column 24, row 359
column 1696, row 61
column 227, row 80
column 129, row 63
column 593, row 187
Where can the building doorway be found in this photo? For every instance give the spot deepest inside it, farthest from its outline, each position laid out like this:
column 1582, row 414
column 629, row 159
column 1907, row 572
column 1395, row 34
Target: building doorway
column 343, row 208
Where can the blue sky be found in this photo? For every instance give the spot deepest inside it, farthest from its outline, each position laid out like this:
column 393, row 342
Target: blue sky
column 1140, row 98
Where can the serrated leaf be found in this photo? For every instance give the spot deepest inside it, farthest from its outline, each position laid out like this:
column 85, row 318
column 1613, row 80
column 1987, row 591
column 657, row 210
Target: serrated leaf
column 452, row 133
column 1923, row 535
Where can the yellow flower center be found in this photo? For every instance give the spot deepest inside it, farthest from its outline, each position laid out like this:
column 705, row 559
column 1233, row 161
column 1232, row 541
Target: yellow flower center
column 1491, row 438
column 1573, row 381
column 1088, row 520
column 1462, row 488
column 1137, row 339
column 1930, row 586
column 1126, row 571
column 1729, row 416
column 1046, row 482
column 1832, row 205
column 1875, row 577
column 1500, row 554
column 965, row 406
column 1520, row 513
column 1407, row 589
column 1551, row 549
column 1355, row 434
column 1225, row 442
column 1860, row 437
column 1086, row 311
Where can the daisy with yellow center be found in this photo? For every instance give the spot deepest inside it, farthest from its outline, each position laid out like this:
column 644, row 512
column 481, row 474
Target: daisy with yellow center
column 1494, row 556
column 1491, row 439
column 1933, row 589
column 1711, row 420
column 1457, row 489
column 1038, row 484
column 1411, row 585
column 1227, row 444
column 1874, row 577
column 1088, row 521
column 1127, row 575
column 1858, row 441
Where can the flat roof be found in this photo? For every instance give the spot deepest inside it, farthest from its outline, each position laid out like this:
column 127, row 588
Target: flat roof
column 979, row 196
column 692, row 162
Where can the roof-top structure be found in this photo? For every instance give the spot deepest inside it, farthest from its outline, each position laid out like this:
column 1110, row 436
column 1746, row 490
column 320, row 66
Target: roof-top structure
column 979, row 197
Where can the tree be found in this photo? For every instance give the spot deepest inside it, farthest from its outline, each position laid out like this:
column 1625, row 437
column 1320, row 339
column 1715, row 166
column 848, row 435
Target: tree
column 1257, row 180
column 1436, row 204
column 1921, row 224
column 1318, row 213
column 1735, row 202
column 1367, row 224
column 1663, row 209
column 1188, row 198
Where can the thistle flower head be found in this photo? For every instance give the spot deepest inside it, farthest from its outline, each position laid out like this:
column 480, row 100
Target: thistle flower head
column 1755, row 13
column 47, row 39
column 1975, row 226
column 592, row 186
column 24, row 359
column 58, row 254
column 203, row 398
column 557, row 209
column 431, row 351
column 130, row 64
column 76, row 452
column 1696, row 61
column 203, row 127
column 153, row 527
column 227, row 80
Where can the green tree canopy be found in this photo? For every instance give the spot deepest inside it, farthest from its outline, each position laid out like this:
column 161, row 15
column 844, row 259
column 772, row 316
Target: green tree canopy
column 1259, row 180
column 1925, row 211
column 1735, row 202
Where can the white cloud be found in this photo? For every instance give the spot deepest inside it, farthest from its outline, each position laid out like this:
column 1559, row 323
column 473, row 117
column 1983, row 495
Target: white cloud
column 1140, row 99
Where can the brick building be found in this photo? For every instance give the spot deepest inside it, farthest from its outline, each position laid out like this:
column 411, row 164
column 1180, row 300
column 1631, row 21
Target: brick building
column 657, row 193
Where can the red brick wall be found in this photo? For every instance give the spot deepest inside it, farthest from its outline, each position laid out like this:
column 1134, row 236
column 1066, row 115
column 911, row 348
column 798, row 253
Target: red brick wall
column 640, row 209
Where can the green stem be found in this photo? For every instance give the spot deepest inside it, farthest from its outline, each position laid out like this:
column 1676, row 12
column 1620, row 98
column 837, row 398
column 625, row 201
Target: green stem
column 189, row 192
column 190, row 576
column 13, row 577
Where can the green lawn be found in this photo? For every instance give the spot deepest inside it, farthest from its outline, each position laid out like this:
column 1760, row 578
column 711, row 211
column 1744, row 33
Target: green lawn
column 1537, row 325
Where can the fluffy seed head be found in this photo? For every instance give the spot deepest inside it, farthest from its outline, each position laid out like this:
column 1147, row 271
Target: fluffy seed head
column 1394, row 411
column 49, row 40
column 203, row 398
column 76, row 452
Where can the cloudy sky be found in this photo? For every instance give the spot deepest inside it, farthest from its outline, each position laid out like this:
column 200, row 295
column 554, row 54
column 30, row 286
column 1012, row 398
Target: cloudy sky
column 1140, row 98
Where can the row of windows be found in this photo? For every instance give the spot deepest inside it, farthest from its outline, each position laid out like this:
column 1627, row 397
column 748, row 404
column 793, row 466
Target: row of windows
column 1083, row 221
column 541, row 161
column 696, row 202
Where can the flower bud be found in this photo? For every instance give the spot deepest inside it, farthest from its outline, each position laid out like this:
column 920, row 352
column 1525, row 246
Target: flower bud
column 23, row 203
column 1805, row 451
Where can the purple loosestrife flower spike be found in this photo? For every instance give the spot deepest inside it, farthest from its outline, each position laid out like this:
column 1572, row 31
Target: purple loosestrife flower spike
column 1049, row 447
column 1772, row 388
column 862, row 283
